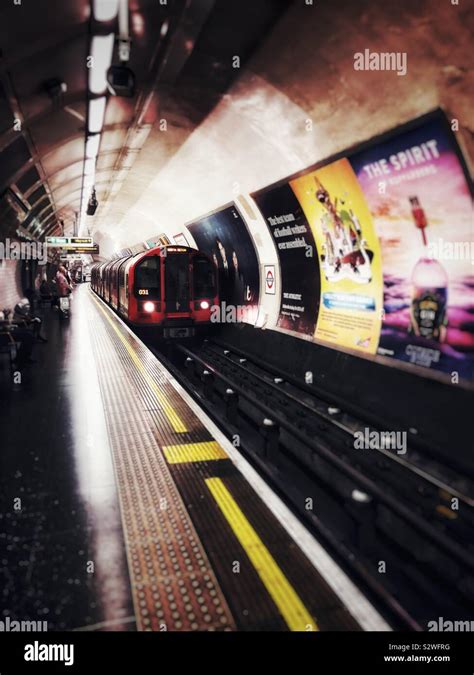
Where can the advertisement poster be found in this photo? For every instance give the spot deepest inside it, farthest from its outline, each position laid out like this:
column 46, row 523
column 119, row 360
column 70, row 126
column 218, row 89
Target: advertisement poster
column 224, row 236
column 300, row 286
column 349, row 257
column 422, row 210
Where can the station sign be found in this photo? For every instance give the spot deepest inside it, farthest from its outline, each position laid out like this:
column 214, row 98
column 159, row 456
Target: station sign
column 71, row 257
column 57, row 241
column 82, row 241
column 79, row 250
column 67, row 242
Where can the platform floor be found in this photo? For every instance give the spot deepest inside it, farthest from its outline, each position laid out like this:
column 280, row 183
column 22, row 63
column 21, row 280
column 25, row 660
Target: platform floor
column 135, row 512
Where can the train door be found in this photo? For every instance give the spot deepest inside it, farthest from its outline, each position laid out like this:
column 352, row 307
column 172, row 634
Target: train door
column 177, row 282
column 122, row 303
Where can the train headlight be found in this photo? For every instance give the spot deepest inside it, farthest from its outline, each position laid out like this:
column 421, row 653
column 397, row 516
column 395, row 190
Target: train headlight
column 204, row 304
column 149, row 306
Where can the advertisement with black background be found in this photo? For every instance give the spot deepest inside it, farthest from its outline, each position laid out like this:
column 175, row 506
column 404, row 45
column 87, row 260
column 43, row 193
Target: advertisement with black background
column 224, row 236
column 300, row 277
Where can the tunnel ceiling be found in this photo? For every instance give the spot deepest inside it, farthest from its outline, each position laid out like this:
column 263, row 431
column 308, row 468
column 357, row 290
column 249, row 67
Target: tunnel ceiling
column 181, row 55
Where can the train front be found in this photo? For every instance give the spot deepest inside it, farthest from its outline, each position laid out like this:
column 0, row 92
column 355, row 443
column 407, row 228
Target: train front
column 175, row 288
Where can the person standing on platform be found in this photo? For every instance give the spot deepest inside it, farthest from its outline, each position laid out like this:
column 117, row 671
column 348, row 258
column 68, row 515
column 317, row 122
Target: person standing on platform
column 63, row 285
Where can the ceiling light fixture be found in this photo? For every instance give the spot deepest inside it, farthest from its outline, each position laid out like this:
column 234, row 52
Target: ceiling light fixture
column 105, row 10
column 96, row 114
column 89, row 182
column 89, row 167
column 101, row 59
column 92, row 146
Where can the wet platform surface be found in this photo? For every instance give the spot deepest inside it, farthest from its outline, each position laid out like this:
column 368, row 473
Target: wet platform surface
column 62, row 472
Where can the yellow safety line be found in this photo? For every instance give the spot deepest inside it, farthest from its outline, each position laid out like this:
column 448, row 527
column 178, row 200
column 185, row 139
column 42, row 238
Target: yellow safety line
column 173, row 417
column 194, row 452
column 283, row 594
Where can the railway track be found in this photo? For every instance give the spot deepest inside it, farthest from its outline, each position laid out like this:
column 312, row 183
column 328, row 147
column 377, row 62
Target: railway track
column 400, row 523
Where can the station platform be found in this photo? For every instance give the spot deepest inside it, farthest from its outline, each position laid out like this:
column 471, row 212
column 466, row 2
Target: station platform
column 127, row 509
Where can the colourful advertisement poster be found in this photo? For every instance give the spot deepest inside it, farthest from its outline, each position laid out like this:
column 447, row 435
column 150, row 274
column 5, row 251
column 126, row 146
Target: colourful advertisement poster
column 224, row 236
column 421, row 205
column 300, row 287
column 349, row 257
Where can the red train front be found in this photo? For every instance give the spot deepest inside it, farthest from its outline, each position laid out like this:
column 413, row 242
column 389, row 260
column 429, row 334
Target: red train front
column 169, row 288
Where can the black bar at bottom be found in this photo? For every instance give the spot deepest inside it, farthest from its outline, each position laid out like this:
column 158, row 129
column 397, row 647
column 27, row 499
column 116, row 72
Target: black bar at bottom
column 343, row 652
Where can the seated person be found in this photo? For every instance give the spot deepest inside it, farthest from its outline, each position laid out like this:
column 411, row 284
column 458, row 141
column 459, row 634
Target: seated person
column 22, row 337
column 24, row 316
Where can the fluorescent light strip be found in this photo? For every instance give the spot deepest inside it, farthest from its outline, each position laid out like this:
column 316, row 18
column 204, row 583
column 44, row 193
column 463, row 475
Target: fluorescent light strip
column 101, row 53
column 89, row 167
column 105, row 10
column 92, row 146
column 96, row 114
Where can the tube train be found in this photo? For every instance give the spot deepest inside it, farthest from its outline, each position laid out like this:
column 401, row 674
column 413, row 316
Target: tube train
column 170, row 289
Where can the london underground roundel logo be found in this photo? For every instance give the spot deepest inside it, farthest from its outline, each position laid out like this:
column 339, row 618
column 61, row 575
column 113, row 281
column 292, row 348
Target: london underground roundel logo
column 270, row 279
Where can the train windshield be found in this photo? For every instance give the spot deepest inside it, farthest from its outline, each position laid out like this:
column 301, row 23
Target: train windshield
column 147, row 278
column 203, row 276
column 177, row 282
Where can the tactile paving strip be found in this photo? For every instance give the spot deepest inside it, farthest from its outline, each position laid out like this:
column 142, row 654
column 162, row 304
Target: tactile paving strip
column 173, row 584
